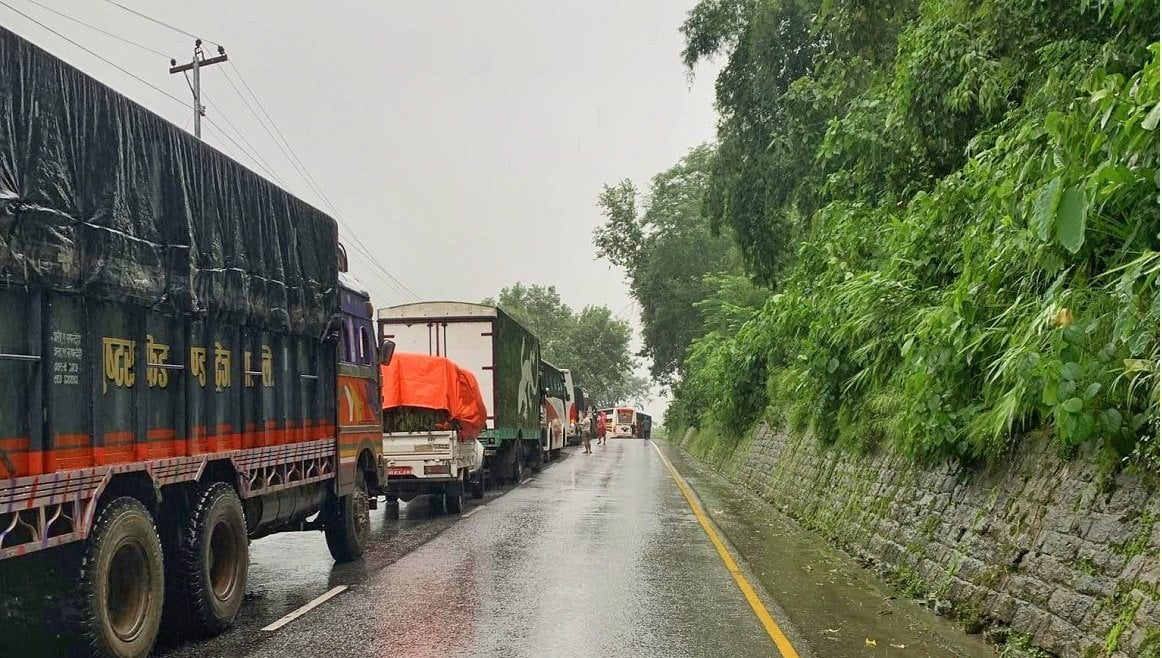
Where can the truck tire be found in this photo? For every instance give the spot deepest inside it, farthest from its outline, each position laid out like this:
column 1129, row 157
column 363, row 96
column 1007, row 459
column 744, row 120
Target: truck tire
column 209, row 580
column 454, row 499
column 538, row 460
column 518, row 466
column 391, row 507
column 477, row 485
column 122, row 581
column 349, row 525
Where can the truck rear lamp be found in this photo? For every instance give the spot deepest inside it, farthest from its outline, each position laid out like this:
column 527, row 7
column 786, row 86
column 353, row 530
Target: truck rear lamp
column 437, row 469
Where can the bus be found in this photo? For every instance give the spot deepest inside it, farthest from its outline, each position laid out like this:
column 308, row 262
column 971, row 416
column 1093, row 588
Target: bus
column 553, row 413
column 621, row 423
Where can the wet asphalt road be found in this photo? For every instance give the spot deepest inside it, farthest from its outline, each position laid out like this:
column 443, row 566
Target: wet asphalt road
column 598, row 555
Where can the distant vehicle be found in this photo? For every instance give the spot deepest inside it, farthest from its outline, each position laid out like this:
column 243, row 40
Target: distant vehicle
column 580, row 415
column 554, row 417
column 432, row 414
column 644, row 425
column 502, row 355
column 620, row 422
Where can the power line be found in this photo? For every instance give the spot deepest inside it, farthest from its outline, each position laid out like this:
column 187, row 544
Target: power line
column 161, row 23
column 254, row 156
column 305, row 173
column 263, row 124
column 300, row 166
column 397, row 285
column 143, row 81
column 394, row 287
column 102, row 31
column 222, row 133
column 100, row 57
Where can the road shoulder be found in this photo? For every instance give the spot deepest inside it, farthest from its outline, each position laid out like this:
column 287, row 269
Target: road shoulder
column 834, row 606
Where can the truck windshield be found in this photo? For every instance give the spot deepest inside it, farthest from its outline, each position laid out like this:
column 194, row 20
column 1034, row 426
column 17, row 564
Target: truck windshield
column 625, row 416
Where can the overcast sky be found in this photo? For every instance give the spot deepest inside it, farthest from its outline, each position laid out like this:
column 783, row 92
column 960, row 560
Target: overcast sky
column 463, row 142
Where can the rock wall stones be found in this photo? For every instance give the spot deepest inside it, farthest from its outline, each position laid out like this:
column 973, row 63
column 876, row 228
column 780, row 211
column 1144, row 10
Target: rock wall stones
column 1039, row 546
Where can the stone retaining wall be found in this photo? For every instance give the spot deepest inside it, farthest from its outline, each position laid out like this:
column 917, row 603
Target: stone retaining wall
column 1040, row 546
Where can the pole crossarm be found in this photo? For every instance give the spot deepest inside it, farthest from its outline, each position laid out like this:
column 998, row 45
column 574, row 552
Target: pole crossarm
column 195, row 65
column 205, row 62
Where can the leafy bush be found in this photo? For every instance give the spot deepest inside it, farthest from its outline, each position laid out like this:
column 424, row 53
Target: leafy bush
column 979, row 234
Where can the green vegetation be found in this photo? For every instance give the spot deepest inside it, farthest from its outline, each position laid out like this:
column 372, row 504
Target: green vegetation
column 1020, row 645
column 952, row 209
column 672, row 259
column 592, row 343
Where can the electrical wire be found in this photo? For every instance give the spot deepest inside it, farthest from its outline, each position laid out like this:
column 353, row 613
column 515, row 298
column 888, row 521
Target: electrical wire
column 305, row 173
column 254, row 152
column 160, row 22
column 394, row 287
column 145, row 82
column 100, row 57
column 101, row 30
column 394, row 282
column 262, row 123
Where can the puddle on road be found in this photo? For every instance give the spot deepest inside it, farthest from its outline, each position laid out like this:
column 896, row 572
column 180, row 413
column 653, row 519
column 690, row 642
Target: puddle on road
column 837, row 607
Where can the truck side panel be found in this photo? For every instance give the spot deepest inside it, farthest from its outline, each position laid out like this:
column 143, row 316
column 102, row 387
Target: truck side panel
column 125, row 389
column 518, row 355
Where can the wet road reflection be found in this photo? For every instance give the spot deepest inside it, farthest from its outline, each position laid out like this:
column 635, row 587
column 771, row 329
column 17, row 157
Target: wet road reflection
column 596, row 556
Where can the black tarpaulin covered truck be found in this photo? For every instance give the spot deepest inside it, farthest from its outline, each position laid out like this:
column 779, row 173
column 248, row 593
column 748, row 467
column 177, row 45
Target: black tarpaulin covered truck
column 172, row 340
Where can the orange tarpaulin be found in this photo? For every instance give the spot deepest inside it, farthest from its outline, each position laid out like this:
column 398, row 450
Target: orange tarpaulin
column 433, row 382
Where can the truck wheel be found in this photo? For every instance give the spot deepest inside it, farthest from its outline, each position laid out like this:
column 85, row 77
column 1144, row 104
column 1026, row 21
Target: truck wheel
column 349, row 525
column 518, row 467
column 214, row 557
column 391, row 508
column 477, row 485
column 538, row 460
column 122, row 581
column 454, row 501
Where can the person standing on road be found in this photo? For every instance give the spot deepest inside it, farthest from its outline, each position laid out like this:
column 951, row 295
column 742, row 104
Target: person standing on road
column 601, row 428
column 586, row 438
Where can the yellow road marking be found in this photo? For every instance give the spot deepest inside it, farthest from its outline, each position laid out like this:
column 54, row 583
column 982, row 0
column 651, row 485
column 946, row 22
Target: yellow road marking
column 756, row 604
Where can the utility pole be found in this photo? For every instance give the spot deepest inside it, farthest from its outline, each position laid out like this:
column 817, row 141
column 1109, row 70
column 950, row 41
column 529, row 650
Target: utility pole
column 195, row 65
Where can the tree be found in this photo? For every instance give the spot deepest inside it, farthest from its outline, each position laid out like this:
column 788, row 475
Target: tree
column 593, row 344
column 667, row 250
column 542, row 312
column 957, row 206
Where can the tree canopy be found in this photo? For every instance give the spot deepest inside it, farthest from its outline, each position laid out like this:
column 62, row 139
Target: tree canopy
column 955, row 209
column 667, row 249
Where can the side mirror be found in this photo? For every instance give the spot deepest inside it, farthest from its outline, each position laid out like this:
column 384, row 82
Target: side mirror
column 386, row 351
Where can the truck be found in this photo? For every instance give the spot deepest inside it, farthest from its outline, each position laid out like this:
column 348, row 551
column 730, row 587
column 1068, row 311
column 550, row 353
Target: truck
column 621, row 422
column 503, row 356
column 432, row 414
column 182, row 367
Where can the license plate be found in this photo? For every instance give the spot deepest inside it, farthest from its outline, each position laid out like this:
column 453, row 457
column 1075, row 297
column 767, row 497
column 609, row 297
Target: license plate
column 399, row 470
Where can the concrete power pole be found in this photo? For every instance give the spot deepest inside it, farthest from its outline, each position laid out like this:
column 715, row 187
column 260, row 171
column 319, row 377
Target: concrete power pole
column 196, row 65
